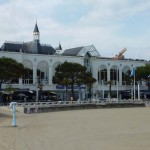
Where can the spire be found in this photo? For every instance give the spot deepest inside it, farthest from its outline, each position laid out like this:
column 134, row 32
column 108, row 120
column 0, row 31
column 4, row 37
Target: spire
column 36, row 33
column 60, row 48
column 36, row 29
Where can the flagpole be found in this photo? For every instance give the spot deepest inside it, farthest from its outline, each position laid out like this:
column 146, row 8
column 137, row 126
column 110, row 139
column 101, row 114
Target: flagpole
column 133, row 74
column 117, row 83
column 134, row 84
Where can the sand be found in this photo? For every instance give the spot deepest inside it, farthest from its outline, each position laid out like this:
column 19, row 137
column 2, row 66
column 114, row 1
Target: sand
column 93, row 129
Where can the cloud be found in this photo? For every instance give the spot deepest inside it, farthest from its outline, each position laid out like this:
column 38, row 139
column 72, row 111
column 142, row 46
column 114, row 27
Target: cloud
column 110, row 25
column 103, row 10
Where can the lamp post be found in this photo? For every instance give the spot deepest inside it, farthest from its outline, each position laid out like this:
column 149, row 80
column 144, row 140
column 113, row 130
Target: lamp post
column 39, row 90
column 103, row 89
column 117, row 83
column 37, row 94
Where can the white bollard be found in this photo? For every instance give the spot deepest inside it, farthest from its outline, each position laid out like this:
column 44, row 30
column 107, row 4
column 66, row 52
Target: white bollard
column 13, row 107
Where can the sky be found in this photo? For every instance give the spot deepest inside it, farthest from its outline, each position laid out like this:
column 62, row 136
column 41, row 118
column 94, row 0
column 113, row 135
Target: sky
column 110, row 25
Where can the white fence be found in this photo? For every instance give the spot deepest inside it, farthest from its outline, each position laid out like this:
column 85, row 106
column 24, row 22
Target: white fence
column 78, row 103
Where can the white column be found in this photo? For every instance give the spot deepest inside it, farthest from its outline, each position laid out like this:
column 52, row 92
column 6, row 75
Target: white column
column 108, row 74
column 50, row 75
column 103, row 89
column 120, row 77
column 20, row 82
column 34, row 74
column 37, row 94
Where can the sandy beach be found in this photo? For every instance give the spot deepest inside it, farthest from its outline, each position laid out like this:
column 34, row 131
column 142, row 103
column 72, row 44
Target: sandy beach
column 93, row 129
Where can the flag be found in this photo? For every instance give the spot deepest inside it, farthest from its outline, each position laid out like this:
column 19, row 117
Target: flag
column 132, row 72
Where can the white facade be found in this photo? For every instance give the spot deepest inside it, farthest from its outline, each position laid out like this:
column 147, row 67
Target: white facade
column 43, row 59
column 112, row 68
column 37, row 61
column 48, row 63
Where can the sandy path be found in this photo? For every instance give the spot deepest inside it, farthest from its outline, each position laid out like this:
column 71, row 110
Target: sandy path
column 101, row 129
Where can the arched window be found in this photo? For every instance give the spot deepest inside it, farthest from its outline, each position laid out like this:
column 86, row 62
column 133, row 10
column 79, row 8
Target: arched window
column 28, row 76
column 102, row 75
column 125, row 75
column 114, row 74
column 42, row 73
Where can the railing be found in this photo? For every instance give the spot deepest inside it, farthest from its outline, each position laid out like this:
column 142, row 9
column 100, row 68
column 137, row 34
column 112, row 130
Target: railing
column 147, row 103
column 73, row 103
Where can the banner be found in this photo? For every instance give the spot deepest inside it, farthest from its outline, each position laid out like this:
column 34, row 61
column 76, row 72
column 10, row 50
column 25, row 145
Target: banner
column 62, row 87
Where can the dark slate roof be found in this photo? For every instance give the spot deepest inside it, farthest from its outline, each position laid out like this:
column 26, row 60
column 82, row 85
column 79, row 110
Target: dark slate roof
column 32, row 47
column 47, row 49
column 72, row 51
column 36, row 28
column 15, row 47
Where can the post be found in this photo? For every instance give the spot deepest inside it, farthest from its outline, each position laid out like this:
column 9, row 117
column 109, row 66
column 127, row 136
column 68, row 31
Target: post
column 117, row 83
column 37, row 95
column 13, row 107
column 79, row 94
column 103, row 89
column 133, row 74
column 134, row 85
column 138, row 91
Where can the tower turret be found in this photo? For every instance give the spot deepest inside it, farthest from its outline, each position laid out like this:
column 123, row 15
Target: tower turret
column 36, row 33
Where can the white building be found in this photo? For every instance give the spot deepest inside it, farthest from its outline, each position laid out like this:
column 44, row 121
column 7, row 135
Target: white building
column 43, row 59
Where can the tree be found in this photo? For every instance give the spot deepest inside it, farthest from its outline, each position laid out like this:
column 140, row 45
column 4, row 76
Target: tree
column 9, row 69
column 89, row 81
column 126, row 77
column 28, row 75
column 9, row 89
column 70, row 74
column 142, row 73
